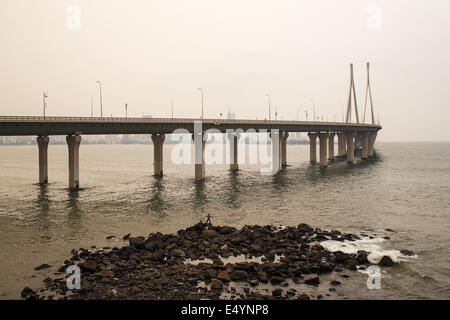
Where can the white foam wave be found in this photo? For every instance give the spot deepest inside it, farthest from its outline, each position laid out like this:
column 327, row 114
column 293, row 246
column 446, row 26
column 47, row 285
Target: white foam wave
column 376, row 252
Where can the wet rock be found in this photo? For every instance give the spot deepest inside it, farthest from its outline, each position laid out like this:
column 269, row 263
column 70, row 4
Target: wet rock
column 340, row 256
column 238, row 275
column 303, row 297
column 209, row 233
column 42, row 266
column 312, row 279
column 29, row 294
column 351, row 264
column 216, row 284
column 137, row 242
column 262, row 276
column 255, row 248
column 407, row 253
column 386, row 261
column 126, row 237
column 277, row 292
column 224, row 276
column 89, row 265
column 276, row 280
column 302, row 227
column 253, row 283
column 110, row 237
column 362, row 257
column 177, row 253
column 105, row 274
column 335, row 283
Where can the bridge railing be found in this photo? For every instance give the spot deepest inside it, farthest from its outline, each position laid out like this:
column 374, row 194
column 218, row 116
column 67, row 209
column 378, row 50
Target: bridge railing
column 169, row 120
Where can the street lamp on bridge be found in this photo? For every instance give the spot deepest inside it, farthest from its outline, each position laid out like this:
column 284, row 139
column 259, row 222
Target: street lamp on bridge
column 45, row 96
column 201, row 89
column 268, row 96
column 101, row 99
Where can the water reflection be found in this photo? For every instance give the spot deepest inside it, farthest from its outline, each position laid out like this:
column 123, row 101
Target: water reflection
column 43, row 200
column 200, row 198
column 156, row 203
column 234, row 191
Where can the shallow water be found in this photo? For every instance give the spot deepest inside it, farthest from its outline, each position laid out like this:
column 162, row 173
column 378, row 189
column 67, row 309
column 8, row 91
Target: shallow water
column 407, row 190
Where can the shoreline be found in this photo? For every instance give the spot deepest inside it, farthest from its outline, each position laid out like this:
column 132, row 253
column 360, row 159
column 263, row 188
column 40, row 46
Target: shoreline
column 209, row 262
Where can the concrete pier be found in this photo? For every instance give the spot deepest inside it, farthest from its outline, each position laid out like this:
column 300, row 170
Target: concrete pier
column 276, row 137
column 233, row 138
column 42, row 142
column 312, row 147
column 158, row 142
column 350, row 137
column 199, row 154
column 331, row 146
column 323, row 142
column 73, row 143
column 365, row 145
column 342, row 145
column 284, row 137
column 372, row 138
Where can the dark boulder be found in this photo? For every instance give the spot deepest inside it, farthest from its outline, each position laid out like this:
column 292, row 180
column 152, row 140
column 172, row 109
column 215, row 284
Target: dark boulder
column 340, row 256
column 407, row 253
column 137, row 242
column 126, row 237
column 238, row 275
column 386, row 261
column 42, row 266
column 302, row 227
column 89, row 265
column 312, row 279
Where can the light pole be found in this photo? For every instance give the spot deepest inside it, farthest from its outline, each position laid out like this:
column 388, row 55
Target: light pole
column 229, row 111
column 306, row 115
column 44, row 102
column 172, row 108
column 314, row 109
column 101, row 99
column 268, row 95
column 202, row 100
column 126, row 110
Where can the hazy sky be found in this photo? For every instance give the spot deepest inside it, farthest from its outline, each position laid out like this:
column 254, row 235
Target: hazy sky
column 148, row 52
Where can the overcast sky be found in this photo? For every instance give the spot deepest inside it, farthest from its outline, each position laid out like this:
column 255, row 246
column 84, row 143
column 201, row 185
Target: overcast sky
column 147, row 53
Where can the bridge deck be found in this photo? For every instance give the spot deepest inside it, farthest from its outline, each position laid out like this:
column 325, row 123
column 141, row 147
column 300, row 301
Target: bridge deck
column 30, row 125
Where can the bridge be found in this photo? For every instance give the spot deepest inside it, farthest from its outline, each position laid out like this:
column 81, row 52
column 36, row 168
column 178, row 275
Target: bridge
column 348, row 135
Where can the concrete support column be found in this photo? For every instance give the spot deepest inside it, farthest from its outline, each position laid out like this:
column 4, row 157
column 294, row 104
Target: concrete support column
column 73, row 142
column 331, row 146
column 372, row 138
column 284, row 137
column 42, row 142
column 365, row 145
column 323, row 141
column 158, row 142
column 276, row 137
column 342, row 144
column 312, row 146
column 199, row 154
column 233, row 139
column 350, row 137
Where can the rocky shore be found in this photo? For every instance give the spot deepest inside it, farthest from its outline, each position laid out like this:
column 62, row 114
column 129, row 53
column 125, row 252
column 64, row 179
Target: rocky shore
column 207, row 262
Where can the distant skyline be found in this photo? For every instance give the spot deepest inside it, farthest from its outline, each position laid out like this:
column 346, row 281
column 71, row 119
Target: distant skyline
column 149, row 53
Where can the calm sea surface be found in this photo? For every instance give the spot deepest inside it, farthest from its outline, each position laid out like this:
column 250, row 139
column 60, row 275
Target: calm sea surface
column 407, row 190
